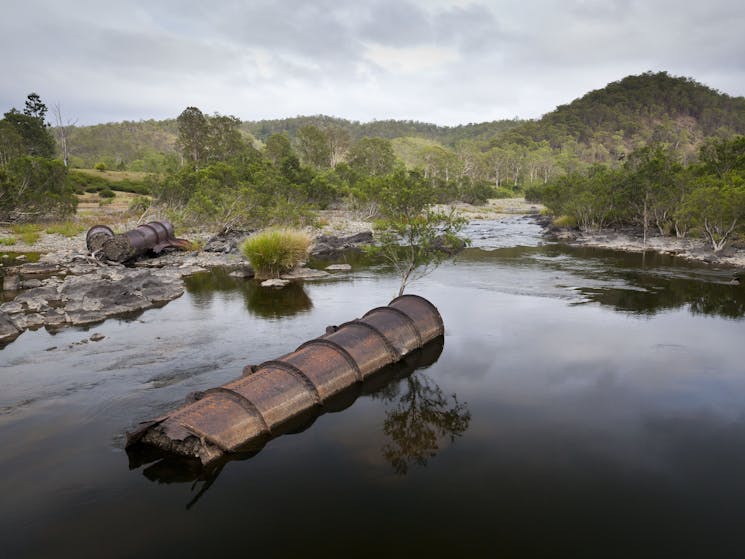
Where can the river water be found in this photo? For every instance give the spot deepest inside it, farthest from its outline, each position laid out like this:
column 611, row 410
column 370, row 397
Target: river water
column 585, row 403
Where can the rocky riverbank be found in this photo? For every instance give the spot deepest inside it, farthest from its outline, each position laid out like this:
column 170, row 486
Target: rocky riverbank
column 632, row 241
column 67, row 287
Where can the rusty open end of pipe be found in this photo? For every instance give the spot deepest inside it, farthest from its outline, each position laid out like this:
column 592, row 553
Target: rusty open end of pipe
column 227, row 419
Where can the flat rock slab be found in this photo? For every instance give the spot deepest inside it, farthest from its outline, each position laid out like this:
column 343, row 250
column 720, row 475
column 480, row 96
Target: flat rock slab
column 274, row 283
column 305, row 274
column 339, row 268
column 38, row 268
column 89, row 298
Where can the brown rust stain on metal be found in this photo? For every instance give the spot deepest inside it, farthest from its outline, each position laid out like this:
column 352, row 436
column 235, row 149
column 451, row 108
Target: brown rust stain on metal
column 222, row 420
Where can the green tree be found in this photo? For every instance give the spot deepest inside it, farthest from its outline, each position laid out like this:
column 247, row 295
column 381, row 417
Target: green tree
column 314, row 147
column 34, row 107
column 224, row 140
column 277, row 148
column 33, row 188
column 650, row 186
column 411, row 236
column 193, row 135
column 339, row 141
column 11, row 142
column 33, row 132
column 717, row 205
column 372, row 156
column 720, row 156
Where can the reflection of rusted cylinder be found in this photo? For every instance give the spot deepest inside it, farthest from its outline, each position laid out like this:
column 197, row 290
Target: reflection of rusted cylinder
column 225, row 419
column 154, row 236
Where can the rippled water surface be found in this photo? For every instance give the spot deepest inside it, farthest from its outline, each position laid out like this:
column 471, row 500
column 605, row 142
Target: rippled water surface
column 585, row 403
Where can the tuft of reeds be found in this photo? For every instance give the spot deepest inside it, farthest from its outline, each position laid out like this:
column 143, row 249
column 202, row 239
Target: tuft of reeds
column 275, row 251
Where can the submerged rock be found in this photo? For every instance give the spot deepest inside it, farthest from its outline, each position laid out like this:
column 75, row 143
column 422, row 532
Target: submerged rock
column 8, row 329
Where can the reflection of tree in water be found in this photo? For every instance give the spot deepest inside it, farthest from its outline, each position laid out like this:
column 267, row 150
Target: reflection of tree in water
column 422, row 418
column 702, row 297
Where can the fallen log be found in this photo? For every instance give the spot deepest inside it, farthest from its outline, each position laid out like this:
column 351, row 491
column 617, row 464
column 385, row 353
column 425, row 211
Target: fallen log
column 154, row 236
column 227, row 419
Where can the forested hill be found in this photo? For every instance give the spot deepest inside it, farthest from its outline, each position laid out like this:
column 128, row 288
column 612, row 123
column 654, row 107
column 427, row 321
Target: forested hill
column 602, row 126
column 635, row 111
column 388, row 129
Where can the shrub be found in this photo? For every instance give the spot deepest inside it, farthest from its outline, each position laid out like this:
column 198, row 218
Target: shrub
column 274, row 251
column 106, row 193
column 139, row 204
column 476, row 192
column 100, row 166
column 503, row 192
column 127, row 185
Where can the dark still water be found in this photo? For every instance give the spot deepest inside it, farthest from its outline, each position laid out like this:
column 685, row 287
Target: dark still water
column 585, row 404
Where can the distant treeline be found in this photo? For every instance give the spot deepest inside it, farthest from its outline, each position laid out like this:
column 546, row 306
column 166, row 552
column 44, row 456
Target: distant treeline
column 601, row 127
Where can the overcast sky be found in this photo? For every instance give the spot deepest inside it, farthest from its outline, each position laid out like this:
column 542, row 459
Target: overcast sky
column 442, row 61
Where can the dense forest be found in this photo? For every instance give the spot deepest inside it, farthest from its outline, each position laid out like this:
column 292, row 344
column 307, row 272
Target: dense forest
column 602, row 159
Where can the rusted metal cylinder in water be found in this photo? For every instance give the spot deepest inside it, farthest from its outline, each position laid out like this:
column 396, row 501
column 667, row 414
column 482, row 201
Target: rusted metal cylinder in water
column 153, row 236
column 225, row 419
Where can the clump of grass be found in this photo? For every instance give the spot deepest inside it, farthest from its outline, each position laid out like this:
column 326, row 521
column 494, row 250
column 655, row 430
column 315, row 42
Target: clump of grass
column 29, row 233
column 274, row 251
column 565, row 221
column 196, row 245
column 7, row 241
column 66, row 228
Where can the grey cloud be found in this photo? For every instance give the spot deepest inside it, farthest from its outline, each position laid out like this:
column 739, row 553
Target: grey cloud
column 480, row 59
column 396, row 23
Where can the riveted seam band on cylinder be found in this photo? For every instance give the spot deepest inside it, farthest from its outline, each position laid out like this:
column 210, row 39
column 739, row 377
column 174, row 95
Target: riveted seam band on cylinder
column 339, row 348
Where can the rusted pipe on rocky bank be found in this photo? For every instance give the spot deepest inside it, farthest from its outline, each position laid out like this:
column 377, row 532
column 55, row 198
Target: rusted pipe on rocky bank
column 153, row 236
column 226, row 419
